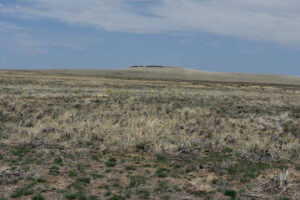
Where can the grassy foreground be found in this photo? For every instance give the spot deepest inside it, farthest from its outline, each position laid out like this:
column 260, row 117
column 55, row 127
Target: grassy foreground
column 89, row 137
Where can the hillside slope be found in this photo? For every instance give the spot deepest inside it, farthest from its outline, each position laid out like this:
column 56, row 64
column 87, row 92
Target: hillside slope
column 176, row 73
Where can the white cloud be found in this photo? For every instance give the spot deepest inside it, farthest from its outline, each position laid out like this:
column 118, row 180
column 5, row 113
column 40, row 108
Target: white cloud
column 6, row 27
column 66, row 45
column 32, row 46
column 20, row 40
column 29, row 45
column 266, row 20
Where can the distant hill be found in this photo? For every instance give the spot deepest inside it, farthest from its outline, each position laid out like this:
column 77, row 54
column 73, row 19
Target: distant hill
column 147, row 66
column 177, row 73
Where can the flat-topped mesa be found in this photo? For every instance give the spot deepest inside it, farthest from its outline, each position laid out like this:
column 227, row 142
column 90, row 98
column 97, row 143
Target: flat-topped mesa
column 149, row 66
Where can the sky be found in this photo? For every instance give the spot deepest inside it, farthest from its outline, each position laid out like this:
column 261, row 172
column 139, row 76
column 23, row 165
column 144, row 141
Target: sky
column 249, row 36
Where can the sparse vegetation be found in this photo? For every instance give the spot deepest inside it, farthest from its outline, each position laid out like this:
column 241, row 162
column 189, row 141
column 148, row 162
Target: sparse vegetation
column 90, row 137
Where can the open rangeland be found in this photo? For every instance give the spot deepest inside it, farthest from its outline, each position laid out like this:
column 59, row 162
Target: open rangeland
column 76, row 136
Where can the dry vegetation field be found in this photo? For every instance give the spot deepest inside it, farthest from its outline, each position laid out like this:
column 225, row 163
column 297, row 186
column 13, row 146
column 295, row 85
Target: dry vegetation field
column 82, row 137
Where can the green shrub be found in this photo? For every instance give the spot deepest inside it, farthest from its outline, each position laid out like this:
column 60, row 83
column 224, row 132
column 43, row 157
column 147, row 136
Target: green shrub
column 17, row 193
column 117, row 197
column 161, row 158
column 72, row 173
column 38, row 197
column 70, row 196
column 144, row 194
column 130, row 167
column 162, row 186
column 59, row 161
column 162, row 172
column 92, row 197
column 54, row 170
column 41, row 180
column 136, row 181
column 230, row 193
column 291, row 127
column 111, row 162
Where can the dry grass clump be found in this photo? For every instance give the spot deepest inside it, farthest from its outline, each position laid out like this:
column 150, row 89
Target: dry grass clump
column 216, row 135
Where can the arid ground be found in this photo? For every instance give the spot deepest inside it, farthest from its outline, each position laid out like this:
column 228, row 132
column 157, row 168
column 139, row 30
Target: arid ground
column 92, row 136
